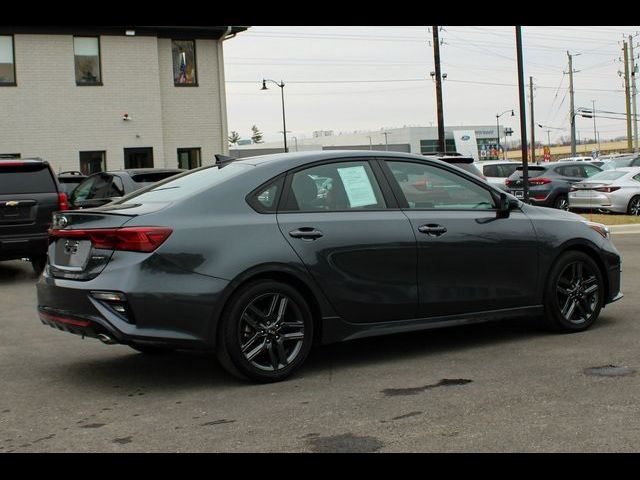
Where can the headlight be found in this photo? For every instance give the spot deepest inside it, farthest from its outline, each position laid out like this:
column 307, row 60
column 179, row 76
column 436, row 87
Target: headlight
column 600, row 228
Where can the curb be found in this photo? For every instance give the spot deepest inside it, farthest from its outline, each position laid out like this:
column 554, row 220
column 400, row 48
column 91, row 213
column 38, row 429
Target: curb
column 628, row 228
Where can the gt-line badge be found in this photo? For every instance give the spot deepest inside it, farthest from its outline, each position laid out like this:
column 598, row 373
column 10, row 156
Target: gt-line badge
column 60, row 221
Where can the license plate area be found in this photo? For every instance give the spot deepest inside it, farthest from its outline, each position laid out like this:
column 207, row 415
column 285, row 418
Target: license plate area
column 70, row 254
column 519, row 193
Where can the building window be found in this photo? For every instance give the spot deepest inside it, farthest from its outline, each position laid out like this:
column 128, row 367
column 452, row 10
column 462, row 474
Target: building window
column 92, row 162
column 189, row 158
column 429, row 147
column 7, row 65
column 9, row 155
column 87, row 60
column 184, row 63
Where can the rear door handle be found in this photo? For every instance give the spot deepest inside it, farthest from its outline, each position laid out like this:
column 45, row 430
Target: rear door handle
column 306, row 233
column 432, row 229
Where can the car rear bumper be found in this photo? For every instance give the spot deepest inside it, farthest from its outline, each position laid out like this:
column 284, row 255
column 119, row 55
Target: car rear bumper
column 599, row 201
column 14, row 247
column 170, row 308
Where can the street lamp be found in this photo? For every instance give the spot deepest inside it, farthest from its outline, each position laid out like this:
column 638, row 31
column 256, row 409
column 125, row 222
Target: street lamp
column 284, row 122
column 370, row 143
column 498, row 115
column 386, row 144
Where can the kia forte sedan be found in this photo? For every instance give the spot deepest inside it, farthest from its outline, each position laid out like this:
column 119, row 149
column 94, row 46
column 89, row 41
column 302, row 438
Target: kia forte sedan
column 253, row 261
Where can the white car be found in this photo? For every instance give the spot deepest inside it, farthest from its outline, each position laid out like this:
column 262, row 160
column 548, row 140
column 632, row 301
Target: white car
column 496, row 172
column 612, row 190
column 576, row 159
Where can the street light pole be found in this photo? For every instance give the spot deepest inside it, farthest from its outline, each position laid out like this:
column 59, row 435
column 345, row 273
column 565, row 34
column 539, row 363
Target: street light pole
column 284, row 121
column 386, row 144
column 370, row 143
column 498, row 115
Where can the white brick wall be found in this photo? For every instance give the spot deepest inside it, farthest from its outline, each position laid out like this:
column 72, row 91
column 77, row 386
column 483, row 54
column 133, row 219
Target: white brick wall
column 49, row 116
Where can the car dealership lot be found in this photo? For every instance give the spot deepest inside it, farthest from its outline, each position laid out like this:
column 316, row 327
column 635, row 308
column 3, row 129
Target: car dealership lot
column 507, row 386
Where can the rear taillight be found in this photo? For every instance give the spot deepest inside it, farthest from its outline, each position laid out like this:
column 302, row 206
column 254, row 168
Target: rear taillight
column 63, row 203
column 573, row 189
column 606, row 189
column 540, row 196
column 539, row 181
column 130, row 239
column 509, row 182
column 11, row 163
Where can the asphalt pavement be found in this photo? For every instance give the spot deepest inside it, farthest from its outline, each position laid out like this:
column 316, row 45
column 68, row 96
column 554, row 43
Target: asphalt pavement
column 508, row 386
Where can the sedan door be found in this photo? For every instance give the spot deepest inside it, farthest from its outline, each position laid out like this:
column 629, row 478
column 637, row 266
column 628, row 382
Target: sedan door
column 345, row 227
column 469, row 258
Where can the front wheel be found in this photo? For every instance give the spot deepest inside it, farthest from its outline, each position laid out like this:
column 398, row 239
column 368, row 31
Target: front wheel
column 574, row 293
column 266, row 332
column 38, row 262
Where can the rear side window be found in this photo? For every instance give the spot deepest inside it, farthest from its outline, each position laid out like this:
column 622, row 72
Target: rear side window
column 506, row 170
column 26, row 179
column 335, row 187
column 491, row 171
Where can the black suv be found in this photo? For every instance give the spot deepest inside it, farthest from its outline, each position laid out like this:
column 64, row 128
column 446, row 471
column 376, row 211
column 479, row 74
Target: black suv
column 29, row 194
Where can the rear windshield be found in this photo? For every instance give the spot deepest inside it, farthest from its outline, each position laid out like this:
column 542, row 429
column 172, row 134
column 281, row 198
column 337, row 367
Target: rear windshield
column 186, row 184
column 608, row 175
column 617, row 163
column 143, row 179
column 26, row 179
column 533, row 172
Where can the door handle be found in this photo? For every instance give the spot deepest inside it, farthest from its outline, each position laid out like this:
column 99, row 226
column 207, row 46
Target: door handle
column 432, row 229
column 306, row 233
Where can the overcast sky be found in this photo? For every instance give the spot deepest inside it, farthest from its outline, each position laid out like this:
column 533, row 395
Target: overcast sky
column 373, row 77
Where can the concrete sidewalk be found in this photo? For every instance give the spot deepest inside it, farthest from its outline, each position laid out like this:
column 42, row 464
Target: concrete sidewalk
column 629, row 228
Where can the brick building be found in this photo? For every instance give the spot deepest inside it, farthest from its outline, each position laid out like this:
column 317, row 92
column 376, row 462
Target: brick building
column 97, row 98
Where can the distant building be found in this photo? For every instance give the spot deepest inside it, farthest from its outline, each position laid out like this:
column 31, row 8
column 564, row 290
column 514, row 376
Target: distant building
column 102, row 97
column 419, row 140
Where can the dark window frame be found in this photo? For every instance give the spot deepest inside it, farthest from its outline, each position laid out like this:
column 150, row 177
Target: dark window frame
column 189, row 149
column 88, row 84
column 13, row 53
column 195, row 63
column 6, row 156
column 104, row 160
column 388, row 196
column 252, row 197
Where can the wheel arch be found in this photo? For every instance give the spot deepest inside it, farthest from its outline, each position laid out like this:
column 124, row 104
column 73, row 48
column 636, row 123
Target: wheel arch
column 282, row 273
column 592, row 252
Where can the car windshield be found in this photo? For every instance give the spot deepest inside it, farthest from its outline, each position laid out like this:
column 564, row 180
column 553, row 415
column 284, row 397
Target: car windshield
column 609, row 175
column 176, row 188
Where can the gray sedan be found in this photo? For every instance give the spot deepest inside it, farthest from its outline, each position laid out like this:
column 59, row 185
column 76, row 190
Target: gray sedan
column 611, row 190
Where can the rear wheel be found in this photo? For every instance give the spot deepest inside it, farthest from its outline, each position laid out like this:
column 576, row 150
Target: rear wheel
column 561, row 203
column 38, row 263
column 574, row 293
column 266, row 332
column 634, row 206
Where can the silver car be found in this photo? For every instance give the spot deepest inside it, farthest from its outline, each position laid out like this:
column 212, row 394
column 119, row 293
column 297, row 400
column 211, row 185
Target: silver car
column 496, row 172
column 610, row 190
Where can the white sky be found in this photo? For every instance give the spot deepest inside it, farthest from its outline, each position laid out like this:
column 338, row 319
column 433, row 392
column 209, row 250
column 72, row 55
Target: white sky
column 472, row 57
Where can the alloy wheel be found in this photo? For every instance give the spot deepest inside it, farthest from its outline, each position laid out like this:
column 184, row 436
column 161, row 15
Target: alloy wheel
column 271, row 331
column 562, row 204
column 577, row 292
column 634, row 207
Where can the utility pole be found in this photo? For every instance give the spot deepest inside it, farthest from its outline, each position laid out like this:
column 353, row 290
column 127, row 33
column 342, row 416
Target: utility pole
column 523, row 116
column 595, row 134
column 627, row 100
column 572, row 114
column 533, row 125
column 436, row 59
column 633, row 96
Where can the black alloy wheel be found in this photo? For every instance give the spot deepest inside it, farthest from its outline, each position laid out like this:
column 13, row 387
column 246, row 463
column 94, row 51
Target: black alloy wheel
column 267, row 332
column 575, row 293
column 634, row 206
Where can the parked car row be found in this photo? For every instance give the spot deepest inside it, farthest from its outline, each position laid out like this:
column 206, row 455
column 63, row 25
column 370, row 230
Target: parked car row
column 30, row 192
column 611, row 191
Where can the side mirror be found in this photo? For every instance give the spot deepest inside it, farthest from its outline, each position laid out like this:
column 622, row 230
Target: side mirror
column 505, row 205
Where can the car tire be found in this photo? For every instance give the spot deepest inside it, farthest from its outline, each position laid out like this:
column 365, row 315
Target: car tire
column 38, row 263
column 574, row 293
column 266, row 332
column 561, row 202
column 152, row 349
column 634, row 206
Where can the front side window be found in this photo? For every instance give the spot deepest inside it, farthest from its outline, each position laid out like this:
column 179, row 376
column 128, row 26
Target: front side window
column 184, row 62
column 428, row 187
column 590, row 170
column 189, row 158
column 93, row 162
column 335, row 187
column 86, row 51
column 7, row 65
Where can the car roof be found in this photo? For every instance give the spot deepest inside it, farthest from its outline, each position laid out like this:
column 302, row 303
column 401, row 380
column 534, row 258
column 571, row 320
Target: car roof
column 140, row 171
column 293, row 159
column 499, row 162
